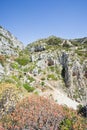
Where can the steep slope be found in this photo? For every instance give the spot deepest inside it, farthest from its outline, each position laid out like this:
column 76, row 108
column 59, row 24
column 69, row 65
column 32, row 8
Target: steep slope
column 49, row 66
column 9, row 45
column 54, row 68
column 58, row 96
column 62, row 63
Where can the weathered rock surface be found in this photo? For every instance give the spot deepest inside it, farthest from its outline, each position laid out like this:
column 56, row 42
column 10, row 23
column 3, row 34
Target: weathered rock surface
column 65, row 69
column 74, row 78
column 9, row 45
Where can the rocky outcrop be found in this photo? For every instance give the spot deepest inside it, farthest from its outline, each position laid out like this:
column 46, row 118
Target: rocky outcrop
column 37, row 48
column 9, row 45
column 35, row 71
column 50, row 61
column 73, row 70
column 65, row 69
column 2, row 71
column 79, row 82
column 66, row 43
column 74, row 77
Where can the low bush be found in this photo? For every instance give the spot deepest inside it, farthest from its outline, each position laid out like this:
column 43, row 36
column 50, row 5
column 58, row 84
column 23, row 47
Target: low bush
column 42, row 83
column 51, row 76
column 53, row 41
column 75, row 43
column 34, row 113
column 72, row 120
column 31, row 78
column 2, row 59
column 39, row 113
column 82, row 110
column 15, row 66
column 22, row 61
column 28, row 87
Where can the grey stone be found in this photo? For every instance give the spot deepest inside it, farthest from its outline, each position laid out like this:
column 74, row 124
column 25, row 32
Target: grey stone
column 9, row 45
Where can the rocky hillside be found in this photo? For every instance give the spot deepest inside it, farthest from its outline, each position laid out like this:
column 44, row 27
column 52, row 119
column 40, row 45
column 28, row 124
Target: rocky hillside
column 62, row 63
column 53, row 68
column 9, row 45
column 46, row 66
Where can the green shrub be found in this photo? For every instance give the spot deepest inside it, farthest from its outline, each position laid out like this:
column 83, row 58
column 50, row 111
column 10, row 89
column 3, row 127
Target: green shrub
column 31, row 79
column 28, row 87
column 31, row 67
column 36, row 92
column 66, row 124
column 14, row 77
column 52, row 68
column 22, row 61
column 8, row 81
column 75, row 43
column 42, row 83
column 51, row 76
column 14, row 66
column 82, row 110
column 53, row 41
column 79, row 53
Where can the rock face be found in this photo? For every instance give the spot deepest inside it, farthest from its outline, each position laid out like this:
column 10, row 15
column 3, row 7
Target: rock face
column 50, row 62
column 74, row 77
column 37, row 48
column 79, row 81
column 65, row 69
column 9, row 45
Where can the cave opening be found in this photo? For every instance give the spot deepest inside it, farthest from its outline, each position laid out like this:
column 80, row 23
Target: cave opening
column 63, row 73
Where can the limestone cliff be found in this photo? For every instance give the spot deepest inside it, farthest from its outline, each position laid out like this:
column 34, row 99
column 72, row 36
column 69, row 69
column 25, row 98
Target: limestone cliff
column 9, row 45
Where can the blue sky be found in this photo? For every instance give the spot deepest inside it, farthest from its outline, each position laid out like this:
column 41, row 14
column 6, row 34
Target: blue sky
column 30, row 20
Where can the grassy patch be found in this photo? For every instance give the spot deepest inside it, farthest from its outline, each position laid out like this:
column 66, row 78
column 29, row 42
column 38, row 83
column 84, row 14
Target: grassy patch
column 42, row 83
column 15, row 66
column 22, row 61
column 51, row 76
column 28, row 87
column 31, row 79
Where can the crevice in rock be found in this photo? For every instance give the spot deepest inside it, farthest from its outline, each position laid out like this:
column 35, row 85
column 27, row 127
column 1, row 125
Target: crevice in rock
column 63, row 73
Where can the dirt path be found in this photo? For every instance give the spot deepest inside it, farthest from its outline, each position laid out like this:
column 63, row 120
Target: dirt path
column 60, row 98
